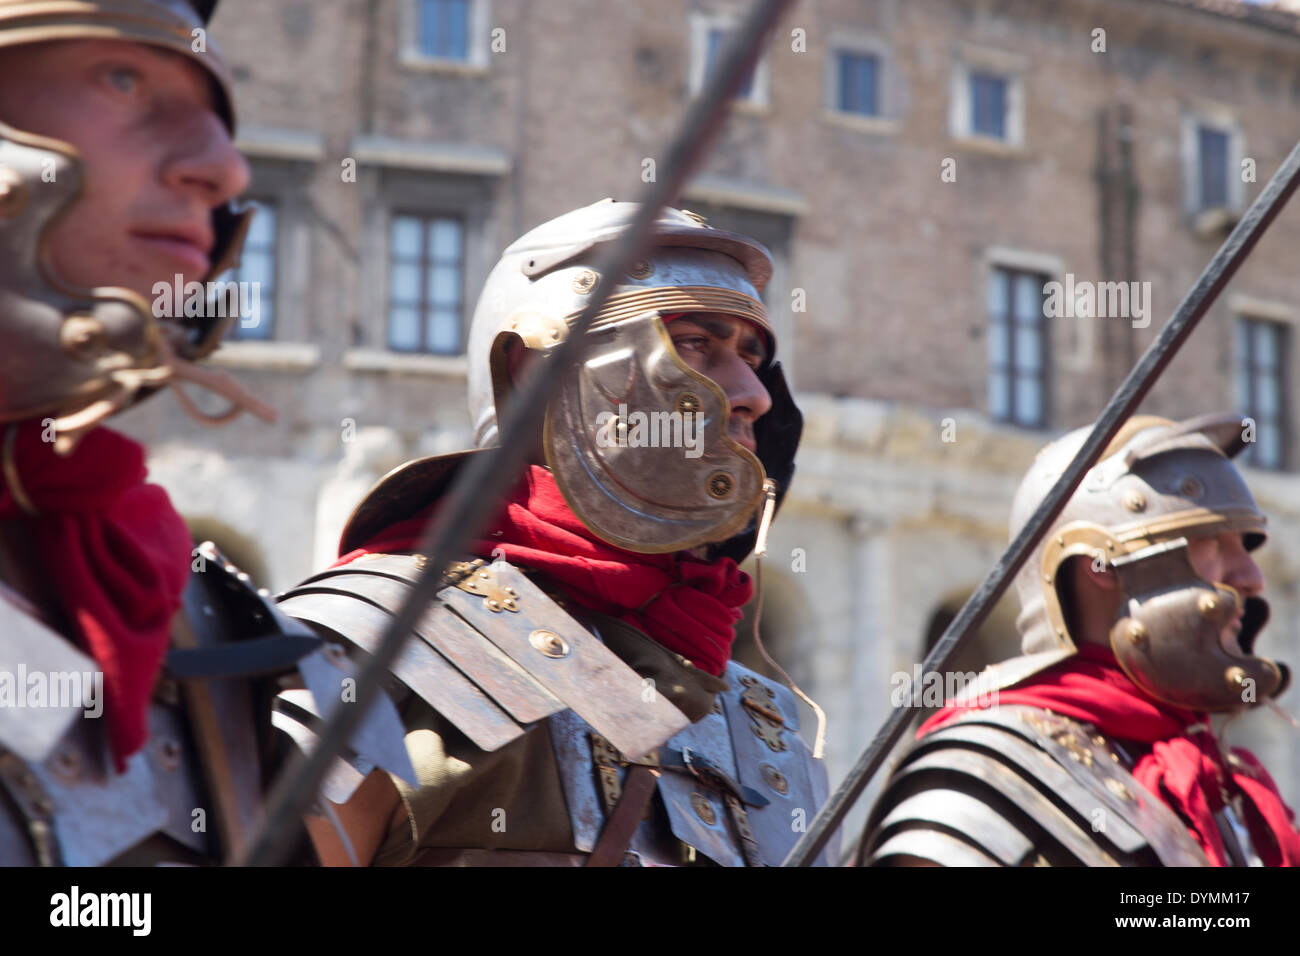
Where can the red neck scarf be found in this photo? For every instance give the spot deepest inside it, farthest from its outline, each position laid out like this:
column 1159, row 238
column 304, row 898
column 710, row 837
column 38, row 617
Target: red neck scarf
column 118, row 555
column 688, row 605
column 1183, row 766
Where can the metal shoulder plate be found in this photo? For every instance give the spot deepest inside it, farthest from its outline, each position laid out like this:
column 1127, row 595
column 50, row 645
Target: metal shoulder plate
column 199, row 773
column 191, row 793
column 1020, row 786
column 738, row 786
column 493, row 653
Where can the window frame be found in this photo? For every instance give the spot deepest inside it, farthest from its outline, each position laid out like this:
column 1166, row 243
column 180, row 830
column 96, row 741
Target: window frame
column 272, row 203
column 1221, row 120
column 426, row 262
column 1010, row 369
column 282, row 177
column 1011, row 69
column 1248, row 375
column 701, row 25
column 477, row 42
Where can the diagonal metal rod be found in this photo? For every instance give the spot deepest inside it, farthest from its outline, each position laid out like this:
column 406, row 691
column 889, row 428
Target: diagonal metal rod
column 479, row 487
column 1122, row 404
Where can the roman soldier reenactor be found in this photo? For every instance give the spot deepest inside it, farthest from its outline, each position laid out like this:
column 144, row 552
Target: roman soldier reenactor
column 570, row 696
column 1140, row 611
column 117, row 172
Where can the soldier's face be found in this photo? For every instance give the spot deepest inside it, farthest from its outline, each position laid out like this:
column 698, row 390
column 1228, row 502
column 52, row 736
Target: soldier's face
column 730, row 351
column 157, row 158
column 1223, row 559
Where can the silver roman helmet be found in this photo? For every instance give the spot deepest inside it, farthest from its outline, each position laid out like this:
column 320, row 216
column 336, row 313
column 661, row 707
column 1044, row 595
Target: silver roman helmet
column 1158, row 484
column 640, row 496
column 80, row 354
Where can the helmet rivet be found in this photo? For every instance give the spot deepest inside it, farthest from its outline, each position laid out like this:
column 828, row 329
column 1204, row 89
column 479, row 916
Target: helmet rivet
column 687, row 403
column 1137, row 633
column 1207, row 604
column 1236, row 676
column 641, row 270
column 13, row 195
column 720, row 484
column 1191, row 487
column 584, row 281
column 82, row 336
column 1134, row 500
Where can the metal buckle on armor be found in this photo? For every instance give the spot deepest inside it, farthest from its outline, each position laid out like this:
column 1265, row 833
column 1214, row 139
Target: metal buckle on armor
column 705, row 771
column 609, row 760
column 760, row 703
column 477, row 578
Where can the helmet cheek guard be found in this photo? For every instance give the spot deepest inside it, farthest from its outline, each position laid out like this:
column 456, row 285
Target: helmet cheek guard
column 635, row 432
column 1175, row 637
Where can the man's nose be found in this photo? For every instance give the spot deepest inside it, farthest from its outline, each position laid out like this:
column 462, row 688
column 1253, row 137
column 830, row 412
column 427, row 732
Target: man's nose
column 205, row 163
column 1244, row 574
column 744, row 391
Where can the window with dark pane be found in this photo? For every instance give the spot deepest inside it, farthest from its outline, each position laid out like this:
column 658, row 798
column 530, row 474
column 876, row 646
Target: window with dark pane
column 1212, row 153
column 717, row 42
column 425, row 295
column 1262, row 390
column 988, row 105
column 257, row 267
column 444, row 29
column 858, row 83
column 1017, row 348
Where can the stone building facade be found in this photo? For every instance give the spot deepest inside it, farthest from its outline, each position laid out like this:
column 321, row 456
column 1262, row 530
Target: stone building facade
column 921, row 170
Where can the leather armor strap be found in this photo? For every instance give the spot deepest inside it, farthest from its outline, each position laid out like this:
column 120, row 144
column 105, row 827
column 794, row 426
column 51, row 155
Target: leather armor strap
column 616, row 836
column 256, row 657
column 740, row 820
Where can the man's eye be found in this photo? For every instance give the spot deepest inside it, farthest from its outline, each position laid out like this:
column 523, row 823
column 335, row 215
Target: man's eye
column 694, row 341
column 124, row 79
